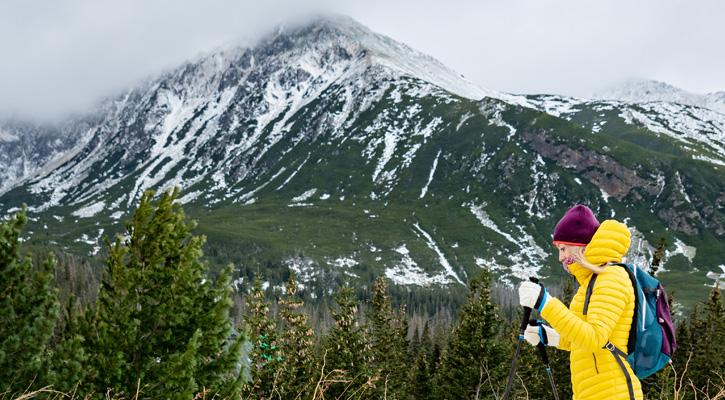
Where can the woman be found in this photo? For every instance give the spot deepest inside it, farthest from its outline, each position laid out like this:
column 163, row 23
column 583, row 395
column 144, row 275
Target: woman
column 586, row 248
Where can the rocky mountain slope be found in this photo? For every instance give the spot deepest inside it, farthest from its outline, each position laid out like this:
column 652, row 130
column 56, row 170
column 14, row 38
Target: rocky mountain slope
column 335, row 151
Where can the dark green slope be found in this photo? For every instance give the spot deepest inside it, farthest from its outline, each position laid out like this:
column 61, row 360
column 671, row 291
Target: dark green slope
column 426, row 187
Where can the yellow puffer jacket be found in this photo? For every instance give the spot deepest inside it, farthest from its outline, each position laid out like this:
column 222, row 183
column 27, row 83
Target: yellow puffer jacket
column 595, row 374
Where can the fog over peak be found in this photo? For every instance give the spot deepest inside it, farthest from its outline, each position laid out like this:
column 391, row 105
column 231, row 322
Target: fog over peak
column 64, row 57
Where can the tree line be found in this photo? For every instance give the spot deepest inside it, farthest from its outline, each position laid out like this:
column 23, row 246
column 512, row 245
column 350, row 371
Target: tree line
column 160, row 328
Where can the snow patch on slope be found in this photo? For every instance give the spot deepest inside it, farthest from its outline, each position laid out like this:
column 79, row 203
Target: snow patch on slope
column 441, row 257
column 90, row 210
column 407, row 272
column 521, row 264
column 430, row 176
column 304, row 196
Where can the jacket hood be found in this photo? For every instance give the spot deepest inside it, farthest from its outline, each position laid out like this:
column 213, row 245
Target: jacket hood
column 610, row 243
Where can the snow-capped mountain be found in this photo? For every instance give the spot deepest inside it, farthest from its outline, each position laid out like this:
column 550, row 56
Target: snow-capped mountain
column 223, row 90
column 328, row 147
column 643, row 91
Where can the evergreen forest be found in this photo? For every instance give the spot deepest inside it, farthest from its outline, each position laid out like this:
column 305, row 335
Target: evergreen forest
column 155, row 323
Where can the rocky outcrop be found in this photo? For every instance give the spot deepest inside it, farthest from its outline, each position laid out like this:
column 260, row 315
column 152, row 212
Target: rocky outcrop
column 620, row 182
column 680, row 221
column 607, row 174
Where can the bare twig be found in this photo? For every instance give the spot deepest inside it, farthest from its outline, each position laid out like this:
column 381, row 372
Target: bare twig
column 385, row 393
column 523, row 385
column 322, row 375
column 138, row 389
column 349, row 383
column 490, row 382
column 480, row 383
column 32, row 394
column 256, row 385
column 676, row 388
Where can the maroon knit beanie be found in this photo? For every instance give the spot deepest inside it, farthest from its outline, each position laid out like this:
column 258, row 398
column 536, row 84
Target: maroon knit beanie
column 576, row 227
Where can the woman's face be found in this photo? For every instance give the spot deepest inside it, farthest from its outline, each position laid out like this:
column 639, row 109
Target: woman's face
column 564, row 252
column 565, row 256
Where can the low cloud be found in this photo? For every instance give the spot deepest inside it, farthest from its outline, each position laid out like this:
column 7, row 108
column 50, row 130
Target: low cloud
column 63, row 57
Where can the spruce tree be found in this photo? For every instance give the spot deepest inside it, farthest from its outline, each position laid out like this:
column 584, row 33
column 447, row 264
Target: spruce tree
column 28, row 312
column 160, row 327
column 414, row 347
column 424, row 367
column 420, row 380
column 68, row 358
column 299, row 362
column 682, row 357
column 658, row 256
column 390, row 347
column 265, row 355
column 347, row 348
column 474, row 363
column 426, row 343
column 707, row 343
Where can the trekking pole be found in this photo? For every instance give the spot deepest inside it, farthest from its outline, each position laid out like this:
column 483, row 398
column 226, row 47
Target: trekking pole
column 545, row 359
column 524, row 322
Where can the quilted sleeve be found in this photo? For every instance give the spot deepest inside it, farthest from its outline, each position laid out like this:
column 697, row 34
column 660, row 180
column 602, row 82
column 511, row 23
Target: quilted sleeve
column 606, row 306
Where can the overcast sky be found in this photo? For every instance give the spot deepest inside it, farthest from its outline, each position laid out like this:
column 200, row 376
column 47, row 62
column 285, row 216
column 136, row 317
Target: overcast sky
column 61, row 56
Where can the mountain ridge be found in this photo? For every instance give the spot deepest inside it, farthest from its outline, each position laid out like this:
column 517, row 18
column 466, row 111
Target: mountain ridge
column 642, row 91
column 314, row 152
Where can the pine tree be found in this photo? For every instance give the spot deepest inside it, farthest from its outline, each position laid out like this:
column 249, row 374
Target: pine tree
column 28, row 312
column 390, row 347
column 707, row 342
column 426, row 343
column 684, row 345
column 474, row 363
column 658, row 255
column 414, row 347
column 347, row 348
column 441, row 337
column 160, row 327
column 421, row 381
column 530, row 379
column 299, row 362
column 265, row 355
column 424, row 367
column 68, row 358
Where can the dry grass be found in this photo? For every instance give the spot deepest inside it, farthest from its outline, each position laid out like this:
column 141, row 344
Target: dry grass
column 682, row 386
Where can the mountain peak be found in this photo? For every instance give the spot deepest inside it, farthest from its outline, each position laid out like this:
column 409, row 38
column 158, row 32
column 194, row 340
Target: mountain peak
column 643, row 91
column 344, row 31
column 639, row 90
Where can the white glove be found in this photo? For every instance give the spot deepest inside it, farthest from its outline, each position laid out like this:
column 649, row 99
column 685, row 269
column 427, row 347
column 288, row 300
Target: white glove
column 533, row 335
column 529, row 294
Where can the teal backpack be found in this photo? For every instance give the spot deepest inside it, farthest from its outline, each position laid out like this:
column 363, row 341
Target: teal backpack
column 652, row 336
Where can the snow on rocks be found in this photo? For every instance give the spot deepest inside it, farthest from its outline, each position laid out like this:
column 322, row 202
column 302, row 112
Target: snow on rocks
column 523, row 263
column 304, row 196
column 89, row 210
column 407, row 272
column 430, row 176
column 718, row 277
column 441, row 257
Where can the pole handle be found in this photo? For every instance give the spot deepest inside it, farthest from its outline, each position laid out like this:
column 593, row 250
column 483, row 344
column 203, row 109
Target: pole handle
column 542, row 353
column 525, row 320
column 527, row 312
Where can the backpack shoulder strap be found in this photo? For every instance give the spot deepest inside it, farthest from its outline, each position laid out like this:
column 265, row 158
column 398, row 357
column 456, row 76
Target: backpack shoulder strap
column 618, row 354
column 631, row 343
column 588, row 296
